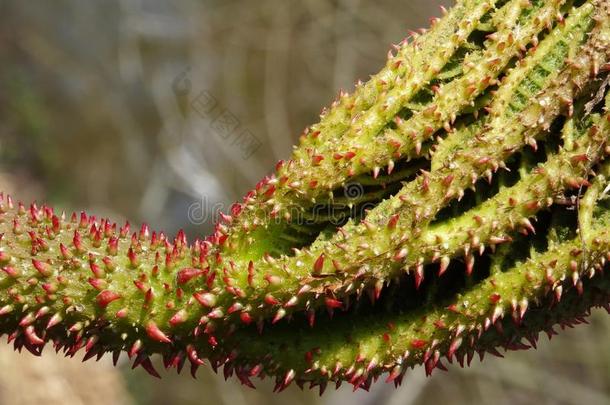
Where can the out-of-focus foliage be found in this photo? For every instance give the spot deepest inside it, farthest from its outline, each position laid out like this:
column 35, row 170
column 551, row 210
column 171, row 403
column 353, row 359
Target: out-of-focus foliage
column 113, row 106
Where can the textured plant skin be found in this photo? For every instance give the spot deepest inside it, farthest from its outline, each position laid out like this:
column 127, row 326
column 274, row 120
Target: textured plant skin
column 511, row 92
column 370, row 345
column 406, row 213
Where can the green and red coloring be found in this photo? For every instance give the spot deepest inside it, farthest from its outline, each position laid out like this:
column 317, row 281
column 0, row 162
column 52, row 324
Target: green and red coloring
column 406, row 215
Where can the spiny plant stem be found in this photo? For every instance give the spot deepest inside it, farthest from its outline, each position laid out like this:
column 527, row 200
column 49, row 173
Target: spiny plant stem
column 480, row 218
column 348, row 255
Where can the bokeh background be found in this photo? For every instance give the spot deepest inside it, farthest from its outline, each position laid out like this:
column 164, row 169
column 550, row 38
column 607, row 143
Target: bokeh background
column 167, row 111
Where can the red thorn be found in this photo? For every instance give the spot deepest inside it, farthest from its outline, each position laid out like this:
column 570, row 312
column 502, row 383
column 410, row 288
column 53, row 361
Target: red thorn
column 453, row 347
column 319, row 264
column 178, row 318
column 96, row 270
column 115, row 357
column 401, row 254
column 156, row 334
column 193, row 356
column 149, row 296
column 135, row 348
column 91, row 343
column 270, row 191
column 97, row 283
column 205, row 299
column 186, row 275
column 43, row 268
column 419, row 275
column 77, row 242
column 394, row 374
column 418, row 343
column 148, row 366
column 288, row 378
column 133, row 257
column 393, row 221
column 245, row 318
column 281, row 313
column 349, row 155
column 271, row 300
column 212, row 341
column 4, row 257
column 106, row 297
column 10, row 271
column 110, row 266
column 194, row 368
column 32, row 337
column 113, row 246
column 444, row 264
column 54, row 320
column 332, row 303
column 469, row 264
column 144, row 232
column 216, row 313
column 236, row 306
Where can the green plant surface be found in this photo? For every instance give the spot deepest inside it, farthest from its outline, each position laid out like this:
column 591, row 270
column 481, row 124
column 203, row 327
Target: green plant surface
column 480, row 219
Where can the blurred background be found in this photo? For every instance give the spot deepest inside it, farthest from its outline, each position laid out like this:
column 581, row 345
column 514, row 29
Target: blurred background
column 167, row 111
